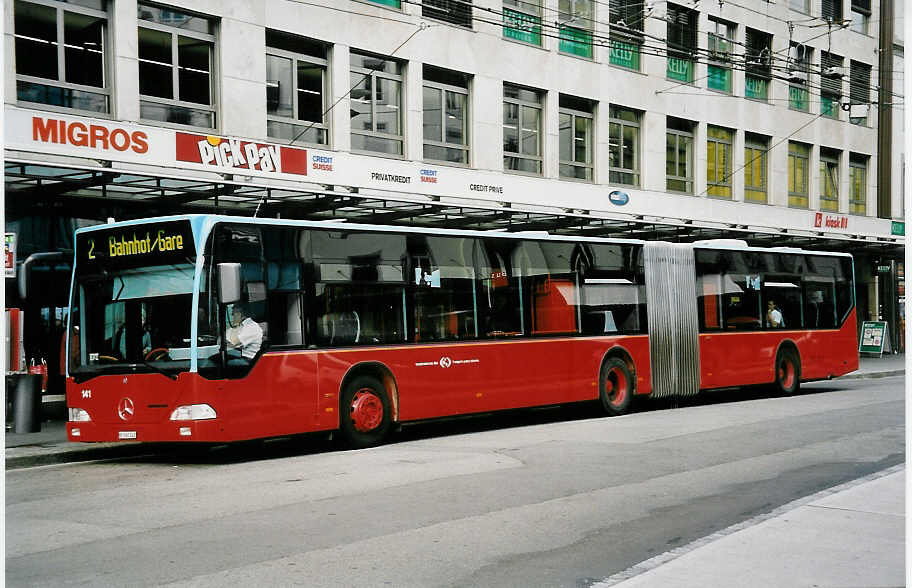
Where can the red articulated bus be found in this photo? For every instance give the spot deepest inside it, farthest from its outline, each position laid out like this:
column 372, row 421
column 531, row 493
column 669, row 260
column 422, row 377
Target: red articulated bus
column 218, row 329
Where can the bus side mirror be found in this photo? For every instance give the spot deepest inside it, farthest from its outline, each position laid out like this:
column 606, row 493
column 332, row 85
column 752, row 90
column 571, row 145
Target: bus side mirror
column 229, row 282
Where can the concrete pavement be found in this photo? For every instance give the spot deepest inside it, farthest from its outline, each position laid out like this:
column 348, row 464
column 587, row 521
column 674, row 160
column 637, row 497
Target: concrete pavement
column 851, row 535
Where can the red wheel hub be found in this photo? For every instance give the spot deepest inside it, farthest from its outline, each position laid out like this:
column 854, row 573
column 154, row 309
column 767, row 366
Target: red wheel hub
column 366, row 410
column 616, row 387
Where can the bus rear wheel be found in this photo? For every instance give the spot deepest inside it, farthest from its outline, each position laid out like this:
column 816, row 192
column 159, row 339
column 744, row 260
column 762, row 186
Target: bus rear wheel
column 788, row 372
column 365, row 415
column 615, row 387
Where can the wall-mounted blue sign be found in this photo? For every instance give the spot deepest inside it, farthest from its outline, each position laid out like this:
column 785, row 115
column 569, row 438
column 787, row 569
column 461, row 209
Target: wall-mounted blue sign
column 618, row 198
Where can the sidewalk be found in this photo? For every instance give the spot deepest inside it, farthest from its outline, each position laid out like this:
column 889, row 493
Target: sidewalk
column 851, row 535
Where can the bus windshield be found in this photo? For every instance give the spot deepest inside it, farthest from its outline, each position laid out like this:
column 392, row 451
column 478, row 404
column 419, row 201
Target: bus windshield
column 132, row 317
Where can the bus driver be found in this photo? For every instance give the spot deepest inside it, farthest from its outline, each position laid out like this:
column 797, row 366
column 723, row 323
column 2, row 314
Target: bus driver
column 244, row 333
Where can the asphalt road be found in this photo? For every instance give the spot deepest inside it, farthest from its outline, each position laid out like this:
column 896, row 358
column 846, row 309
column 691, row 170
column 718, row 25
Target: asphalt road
column 539, row 498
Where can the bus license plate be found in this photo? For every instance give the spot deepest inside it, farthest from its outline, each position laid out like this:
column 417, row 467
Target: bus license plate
column 126, row 434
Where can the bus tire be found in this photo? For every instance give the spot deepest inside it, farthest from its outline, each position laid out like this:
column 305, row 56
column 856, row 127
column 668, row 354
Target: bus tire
column 788, row 372
column 365, row 416
column 615, row 386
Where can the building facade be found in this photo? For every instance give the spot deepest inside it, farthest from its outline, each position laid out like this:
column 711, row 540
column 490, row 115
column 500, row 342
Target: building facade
column 752, row 119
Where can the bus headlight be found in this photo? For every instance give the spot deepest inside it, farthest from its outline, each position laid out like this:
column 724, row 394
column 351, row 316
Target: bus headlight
column 78, row 415
column 193, row 412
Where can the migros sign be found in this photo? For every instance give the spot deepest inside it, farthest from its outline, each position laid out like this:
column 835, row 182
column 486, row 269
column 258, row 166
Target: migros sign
column 93, row 136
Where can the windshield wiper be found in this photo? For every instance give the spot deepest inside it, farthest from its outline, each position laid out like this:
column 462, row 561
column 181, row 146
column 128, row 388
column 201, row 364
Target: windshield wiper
column 158, row 370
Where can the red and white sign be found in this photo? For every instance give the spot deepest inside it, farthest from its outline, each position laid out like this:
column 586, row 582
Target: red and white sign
column 830, row 221
column 238, row 154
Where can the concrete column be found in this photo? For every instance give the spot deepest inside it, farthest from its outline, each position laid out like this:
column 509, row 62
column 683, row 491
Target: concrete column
column 123, row 62
column 242, row 78
column 413, row 115
column 339, row 117
column 551, row 134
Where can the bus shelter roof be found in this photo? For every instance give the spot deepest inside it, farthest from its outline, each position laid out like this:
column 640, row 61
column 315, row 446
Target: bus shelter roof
column 98, row 193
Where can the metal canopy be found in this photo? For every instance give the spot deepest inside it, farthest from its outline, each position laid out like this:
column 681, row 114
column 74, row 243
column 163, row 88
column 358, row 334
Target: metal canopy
column 99, row 193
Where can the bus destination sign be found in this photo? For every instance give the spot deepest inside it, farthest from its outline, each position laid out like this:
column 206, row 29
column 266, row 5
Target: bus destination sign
column 139, row 245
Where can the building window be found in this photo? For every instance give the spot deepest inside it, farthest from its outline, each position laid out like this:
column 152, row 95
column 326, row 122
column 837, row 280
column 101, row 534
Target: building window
column 831, row 10
column 861, row 13
column 682, row 42
column 446, row 120
column 718, row 161
column 623, row 146
column 798, row 157
column 61, row 54
column 295, row 89
column 758, row 72
column 457, row 12
column 679, row 155
column 755, row 161
column 376, row 104
column 858, row 182
column 576, row 18
column 830, row 84
column 800, row 5
column 859, row 90
column 390, row 3
column 575, row 137
column 721, row 37
column 176, row 56
column 522, row 127
column 829, row 180
column 798, row 68
column 626, row 34
column 522, row 21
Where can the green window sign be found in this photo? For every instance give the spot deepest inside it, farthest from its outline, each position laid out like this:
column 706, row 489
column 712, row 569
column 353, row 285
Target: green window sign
column 719, row 78
column 898, row 228
column 829, row 106
column 522, row 27
column 393, row 3
column 680, row 69
column 576, row 42
column 755, row 88
column 798, row 98
column 625, row 55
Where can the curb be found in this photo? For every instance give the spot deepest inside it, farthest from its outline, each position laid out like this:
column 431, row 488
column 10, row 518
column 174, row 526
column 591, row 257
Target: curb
column 872, row 375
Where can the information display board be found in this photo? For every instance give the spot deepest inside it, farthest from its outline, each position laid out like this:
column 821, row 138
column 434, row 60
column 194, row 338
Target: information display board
column 873, row 337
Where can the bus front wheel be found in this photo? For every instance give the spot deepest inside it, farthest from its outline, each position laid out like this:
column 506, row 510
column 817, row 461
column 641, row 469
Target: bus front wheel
column 365, row 416
column 788, row 372
column 615, row 386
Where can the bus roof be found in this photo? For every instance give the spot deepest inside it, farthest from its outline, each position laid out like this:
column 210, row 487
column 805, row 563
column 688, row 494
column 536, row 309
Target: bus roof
column 202, row 223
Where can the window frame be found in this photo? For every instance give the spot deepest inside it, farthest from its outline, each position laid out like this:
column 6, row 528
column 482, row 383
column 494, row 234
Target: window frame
column 464, row 147
column 690, row 178
column 720, row 59
column 60, row 82
column 858, row 164
column 312, row 60
column 175, row 32
column 795, row 197
column 583, row 31
column 829, row 177
column 860, row 92
column 799, row 93
column 436, row 9
column 752, row 144
column 717, row 143
column 631, row 38
column 624, row 123
column 527, row 11
column 828, row 91
column 520, row 103
column 761, row 71
column 689, row 22
column 373, row 74
column 589, row 166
